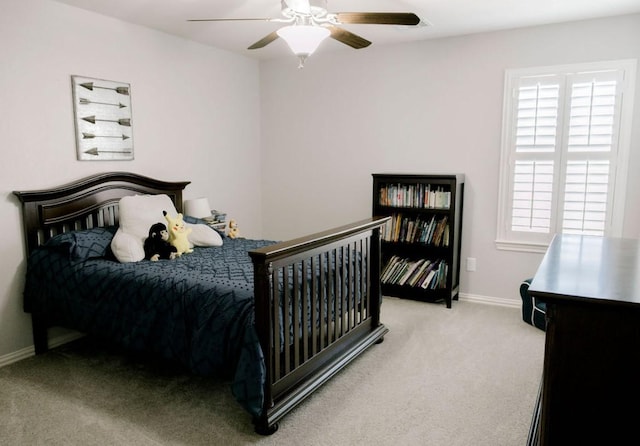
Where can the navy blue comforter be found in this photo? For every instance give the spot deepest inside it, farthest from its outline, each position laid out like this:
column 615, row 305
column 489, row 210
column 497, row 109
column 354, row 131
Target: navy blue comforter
column 197, row 309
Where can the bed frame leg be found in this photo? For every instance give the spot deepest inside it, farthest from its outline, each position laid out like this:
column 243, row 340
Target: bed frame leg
column 40, row 334
column 262, row 427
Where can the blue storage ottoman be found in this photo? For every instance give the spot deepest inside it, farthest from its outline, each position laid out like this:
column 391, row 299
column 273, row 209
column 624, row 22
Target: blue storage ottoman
column 533, row 312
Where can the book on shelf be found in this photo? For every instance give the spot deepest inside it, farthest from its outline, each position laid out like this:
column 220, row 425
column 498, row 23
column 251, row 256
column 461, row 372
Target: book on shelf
column 407, row 230
column 394, row 269
column 422, row 273
column 439, row 232
column 409, row 272
column 414, row 195
column 437, row 277
column 422, row 265
column 389, row 268
column 400, row 270
column 428, row 279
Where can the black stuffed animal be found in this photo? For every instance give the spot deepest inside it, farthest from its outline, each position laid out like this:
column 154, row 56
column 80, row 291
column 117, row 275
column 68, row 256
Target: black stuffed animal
column 157, row 245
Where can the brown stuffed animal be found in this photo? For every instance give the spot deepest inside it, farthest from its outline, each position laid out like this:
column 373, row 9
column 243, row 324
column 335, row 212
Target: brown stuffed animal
column 234, row 232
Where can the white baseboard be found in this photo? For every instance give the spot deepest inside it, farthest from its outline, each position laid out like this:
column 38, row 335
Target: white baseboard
column 30, row 351
column 501, row 301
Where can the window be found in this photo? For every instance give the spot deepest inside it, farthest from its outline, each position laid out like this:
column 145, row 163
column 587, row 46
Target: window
column 566, row 137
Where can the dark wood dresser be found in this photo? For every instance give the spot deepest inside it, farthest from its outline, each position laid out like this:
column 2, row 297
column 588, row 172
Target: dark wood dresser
column 590, row 391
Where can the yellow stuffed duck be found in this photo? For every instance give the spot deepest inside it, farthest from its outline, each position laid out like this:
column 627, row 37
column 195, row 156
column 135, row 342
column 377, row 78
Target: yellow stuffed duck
column 178, row 233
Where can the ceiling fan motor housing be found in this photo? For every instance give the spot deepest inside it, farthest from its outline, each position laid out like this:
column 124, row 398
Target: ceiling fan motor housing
column 313, row 8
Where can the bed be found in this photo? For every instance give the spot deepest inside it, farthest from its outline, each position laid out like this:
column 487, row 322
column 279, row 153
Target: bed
column 278, row 318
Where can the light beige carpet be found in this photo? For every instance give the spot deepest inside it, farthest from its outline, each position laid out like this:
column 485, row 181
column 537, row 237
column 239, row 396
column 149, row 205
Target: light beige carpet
column 464, row 376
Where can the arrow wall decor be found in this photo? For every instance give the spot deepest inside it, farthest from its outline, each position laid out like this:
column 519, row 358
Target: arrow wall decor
column 91, row 135
column 102, row 110
column 121, row 121
column 90, row 86
column 86, row 101
column 95, row 152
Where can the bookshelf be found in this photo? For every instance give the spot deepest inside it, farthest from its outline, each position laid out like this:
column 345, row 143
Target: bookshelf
column 421, row 243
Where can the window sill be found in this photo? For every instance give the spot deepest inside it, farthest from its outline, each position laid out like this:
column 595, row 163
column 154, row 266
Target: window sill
column 507, row 245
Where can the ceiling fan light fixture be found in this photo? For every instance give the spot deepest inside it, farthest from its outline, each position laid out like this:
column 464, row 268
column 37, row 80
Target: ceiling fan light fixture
column 303, row 39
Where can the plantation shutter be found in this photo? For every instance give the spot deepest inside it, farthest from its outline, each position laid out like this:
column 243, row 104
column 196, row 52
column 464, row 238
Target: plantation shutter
column 535, row 151
column 594, row 113
column 563, row 153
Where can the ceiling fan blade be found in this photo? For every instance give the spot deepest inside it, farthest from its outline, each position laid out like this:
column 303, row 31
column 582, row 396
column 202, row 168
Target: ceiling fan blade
column 265, row 19
column 348, row 38
column 378, row 18
column 266, row 40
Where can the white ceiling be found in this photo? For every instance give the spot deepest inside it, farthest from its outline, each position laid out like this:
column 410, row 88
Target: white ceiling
column 444, row 18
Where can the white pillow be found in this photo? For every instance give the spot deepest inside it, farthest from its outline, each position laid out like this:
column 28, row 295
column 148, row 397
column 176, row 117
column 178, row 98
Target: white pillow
column 203, row 235
column 127, row 247
column 138, row 213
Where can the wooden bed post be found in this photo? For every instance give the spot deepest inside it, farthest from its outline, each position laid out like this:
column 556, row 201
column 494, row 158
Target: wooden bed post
column 376, row 268
column 40, row 333
column 262, row 283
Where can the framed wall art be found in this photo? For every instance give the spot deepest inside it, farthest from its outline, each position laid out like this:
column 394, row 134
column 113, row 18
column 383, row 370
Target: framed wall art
column 102, row 112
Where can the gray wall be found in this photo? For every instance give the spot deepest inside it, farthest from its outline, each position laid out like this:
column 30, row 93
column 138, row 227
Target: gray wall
column 428, row 107
column 196, row 116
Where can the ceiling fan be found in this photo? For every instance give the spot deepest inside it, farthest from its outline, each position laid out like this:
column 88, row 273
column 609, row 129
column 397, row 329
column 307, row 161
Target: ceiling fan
column 309, row 23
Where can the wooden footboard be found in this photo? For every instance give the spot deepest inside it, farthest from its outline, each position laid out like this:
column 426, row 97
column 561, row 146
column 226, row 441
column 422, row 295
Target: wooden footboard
column 317, row 308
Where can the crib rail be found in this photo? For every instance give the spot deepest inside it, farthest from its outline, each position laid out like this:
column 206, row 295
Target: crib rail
column 317, row 308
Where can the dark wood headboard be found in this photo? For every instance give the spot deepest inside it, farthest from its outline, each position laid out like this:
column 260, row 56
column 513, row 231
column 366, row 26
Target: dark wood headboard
column 87, row 203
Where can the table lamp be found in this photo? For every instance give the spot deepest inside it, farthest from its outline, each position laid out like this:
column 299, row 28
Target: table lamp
column 198, row 208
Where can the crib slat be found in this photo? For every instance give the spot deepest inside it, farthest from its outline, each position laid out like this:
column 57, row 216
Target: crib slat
column 325, row 301
column 362, row 293
column 286, row 323
column 331, row 295
column 359, row 293
column 275, row 321
column 296, row 303
column 369, row 273
column 305, row 308
column 353, row 285
column 344, row 292
column 350, row 285
column 337, row 289
column 315, row 313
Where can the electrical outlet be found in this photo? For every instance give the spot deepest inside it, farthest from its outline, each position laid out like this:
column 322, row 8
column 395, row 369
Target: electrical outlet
column 471, row 263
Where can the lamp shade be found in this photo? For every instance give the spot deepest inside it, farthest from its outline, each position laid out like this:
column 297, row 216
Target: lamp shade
column 303, row 39
column 197, row 207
